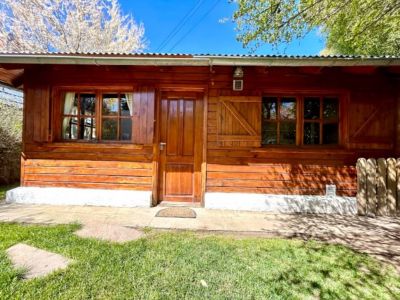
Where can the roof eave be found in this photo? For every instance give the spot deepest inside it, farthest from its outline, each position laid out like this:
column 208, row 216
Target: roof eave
column 204, row 60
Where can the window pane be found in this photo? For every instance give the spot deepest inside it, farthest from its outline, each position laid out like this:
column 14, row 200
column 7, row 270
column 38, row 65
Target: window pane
column 88, row 104
column 330, row 134
column 269, row 136
column 269, row 108
column 311, row 133
column 71, row 104
column 70, row 128
column 126, row 129
column 110, row 104
column 331, row 108
column 288, row 109
column 127, row 104
column 311, row 108
column 287, row 133
column 89, row 129
column 109, row 130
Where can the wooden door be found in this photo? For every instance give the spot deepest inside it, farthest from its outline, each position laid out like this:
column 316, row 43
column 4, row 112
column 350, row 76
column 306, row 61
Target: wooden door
column 181, row 144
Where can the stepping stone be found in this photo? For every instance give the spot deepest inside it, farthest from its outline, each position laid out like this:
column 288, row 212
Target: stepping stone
column 109, row 232
column 36, row 262
column 176, row 212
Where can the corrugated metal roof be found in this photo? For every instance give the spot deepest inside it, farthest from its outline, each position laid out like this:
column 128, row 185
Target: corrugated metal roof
column 177, row 55
column 182, row 59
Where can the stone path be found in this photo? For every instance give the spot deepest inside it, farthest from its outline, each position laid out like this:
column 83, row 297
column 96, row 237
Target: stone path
column 379, row 237
column 109, row 232
column 36, row 262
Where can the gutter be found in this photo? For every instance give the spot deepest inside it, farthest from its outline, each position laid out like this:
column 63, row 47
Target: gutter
column 188, row 60
column 302, row 62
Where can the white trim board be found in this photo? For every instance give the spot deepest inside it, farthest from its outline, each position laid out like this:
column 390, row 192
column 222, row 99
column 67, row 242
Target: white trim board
column 76, row 196
column 281, row 203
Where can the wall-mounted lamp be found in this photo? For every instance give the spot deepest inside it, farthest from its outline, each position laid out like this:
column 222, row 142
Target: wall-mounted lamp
column 238, row 79
column 238, row 72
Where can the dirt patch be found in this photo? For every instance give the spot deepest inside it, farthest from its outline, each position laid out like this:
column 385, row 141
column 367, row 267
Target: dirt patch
column 109, row 232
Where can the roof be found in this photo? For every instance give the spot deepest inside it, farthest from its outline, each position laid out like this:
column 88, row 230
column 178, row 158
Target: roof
column 195, row 59
column 12, row 64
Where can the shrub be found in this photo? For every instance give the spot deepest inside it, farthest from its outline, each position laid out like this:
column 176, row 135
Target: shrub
column 10, row 142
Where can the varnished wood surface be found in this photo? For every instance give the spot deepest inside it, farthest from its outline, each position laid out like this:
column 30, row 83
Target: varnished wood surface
column 87, row 174
column 180, row 157
column 233, row 160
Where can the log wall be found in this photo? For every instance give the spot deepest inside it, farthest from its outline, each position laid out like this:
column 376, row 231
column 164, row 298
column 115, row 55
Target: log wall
column 235, row 160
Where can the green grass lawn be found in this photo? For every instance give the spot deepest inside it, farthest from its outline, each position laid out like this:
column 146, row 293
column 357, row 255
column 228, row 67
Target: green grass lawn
column 173, row 266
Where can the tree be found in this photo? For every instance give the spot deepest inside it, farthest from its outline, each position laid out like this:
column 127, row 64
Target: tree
column 354, row 27
column 68, row 26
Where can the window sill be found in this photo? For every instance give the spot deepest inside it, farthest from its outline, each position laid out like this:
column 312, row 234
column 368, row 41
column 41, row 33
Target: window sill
column 289, row 148
column 92, row 144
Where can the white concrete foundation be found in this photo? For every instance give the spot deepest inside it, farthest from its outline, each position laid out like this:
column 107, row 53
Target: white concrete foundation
column 282, row 203
column 74, row 196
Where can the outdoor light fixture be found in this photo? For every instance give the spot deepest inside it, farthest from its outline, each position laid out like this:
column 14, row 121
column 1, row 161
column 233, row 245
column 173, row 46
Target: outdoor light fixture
column 238, row 73
column 238, row 79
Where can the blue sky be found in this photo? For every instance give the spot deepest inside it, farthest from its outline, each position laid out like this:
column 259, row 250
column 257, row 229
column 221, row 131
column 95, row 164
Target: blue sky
column 209, row 36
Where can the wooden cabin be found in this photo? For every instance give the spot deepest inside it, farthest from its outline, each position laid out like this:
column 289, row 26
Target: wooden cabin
column 268, row 133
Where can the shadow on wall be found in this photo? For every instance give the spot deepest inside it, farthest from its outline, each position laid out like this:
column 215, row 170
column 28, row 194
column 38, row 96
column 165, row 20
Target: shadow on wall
column 10, row 143
column 310, row 182
column 318, row 205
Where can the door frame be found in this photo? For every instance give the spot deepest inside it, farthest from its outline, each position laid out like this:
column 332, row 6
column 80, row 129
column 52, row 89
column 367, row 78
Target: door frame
column 203, row 89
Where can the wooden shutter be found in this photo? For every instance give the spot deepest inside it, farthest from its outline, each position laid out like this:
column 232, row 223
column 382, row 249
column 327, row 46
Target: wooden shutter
column 239, row 121
column 143, row 120
column 37, row 113
column 371, row 121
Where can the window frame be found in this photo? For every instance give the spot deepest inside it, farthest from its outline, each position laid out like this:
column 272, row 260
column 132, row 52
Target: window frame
column 58, row 112
column 79, row 114
column 278, row 121
column 117, row 117
column 300, row 120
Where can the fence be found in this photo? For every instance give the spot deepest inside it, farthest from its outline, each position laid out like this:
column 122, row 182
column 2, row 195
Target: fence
column 378, row 187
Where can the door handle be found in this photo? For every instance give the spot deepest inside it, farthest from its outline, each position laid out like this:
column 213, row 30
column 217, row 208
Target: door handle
column 162, row 145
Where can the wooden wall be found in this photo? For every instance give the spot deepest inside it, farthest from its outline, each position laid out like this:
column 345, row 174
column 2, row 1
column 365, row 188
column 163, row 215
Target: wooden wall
column 241, row 165
column 236, row 162
column 47, row 161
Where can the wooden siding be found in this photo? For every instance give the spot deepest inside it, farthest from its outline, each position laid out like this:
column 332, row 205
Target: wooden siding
column 278, row 178
column 235, row 161
column 366, row 129
column 87, row 174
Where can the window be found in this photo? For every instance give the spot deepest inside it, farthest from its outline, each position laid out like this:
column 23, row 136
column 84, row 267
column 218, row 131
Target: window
column 117, row 117
column 279, row 120
column 317, row 122
column 79, row 116
column 321, row 124
column 97, row 116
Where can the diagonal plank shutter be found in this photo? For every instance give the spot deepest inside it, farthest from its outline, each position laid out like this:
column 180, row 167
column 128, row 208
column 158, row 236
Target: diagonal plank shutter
column 372, row 124
column 239, row 121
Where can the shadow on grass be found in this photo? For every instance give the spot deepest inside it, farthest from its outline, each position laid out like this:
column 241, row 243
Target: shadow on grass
column 379, row 237
column 176, row 265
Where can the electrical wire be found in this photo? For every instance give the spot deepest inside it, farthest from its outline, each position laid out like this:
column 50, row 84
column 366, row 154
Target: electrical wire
column 180, row 25
column 195, row 25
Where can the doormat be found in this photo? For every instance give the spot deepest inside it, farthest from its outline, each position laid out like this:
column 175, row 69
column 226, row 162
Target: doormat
column 176, row 212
